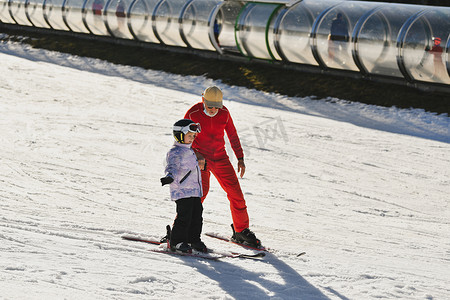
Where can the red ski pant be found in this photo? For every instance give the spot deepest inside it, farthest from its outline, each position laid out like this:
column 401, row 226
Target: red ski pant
column 226, row 176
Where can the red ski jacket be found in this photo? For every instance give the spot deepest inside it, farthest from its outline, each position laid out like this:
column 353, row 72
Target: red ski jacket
column 210, row 141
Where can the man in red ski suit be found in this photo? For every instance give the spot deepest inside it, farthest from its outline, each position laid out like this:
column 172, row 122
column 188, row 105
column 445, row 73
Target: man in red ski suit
column 215, row 120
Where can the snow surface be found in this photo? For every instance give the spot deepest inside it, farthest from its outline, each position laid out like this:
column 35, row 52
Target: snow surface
column 362, row 189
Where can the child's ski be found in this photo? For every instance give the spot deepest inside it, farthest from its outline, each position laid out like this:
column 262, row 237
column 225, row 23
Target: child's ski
column 193, row 254
column 212, row 254
column 139, row 239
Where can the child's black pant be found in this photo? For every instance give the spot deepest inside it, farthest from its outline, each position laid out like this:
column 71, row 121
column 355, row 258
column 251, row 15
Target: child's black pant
column 189, row 221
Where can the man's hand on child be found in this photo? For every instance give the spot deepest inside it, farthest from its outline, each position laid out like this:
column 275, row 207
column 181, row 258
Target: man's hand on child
column 202, row 164
column 166, row 180
column 201, row 160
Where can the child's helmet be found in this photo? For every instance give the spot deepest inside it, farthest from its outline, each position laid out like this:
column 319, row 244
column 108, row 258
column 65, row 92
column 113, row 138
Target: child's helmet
column 183, row 126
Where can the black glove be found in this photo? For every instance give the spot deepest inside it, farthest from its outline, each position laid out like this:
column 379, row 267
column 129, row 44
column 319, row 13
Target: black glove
column 166, row 180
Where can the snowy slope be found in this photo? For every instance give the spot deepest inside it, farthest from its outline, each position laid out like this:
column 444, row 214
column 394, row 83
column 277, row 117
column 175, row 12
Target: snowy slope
column 362, row 189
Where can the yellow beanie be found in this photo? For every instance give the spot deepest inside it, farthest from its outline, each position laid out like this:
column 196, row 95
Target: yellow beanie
column 213, row 97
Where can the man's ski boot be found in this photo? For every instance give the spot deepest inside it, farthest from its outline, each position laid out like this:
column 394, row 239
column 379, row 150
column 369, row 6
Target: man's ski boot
column 246, row 237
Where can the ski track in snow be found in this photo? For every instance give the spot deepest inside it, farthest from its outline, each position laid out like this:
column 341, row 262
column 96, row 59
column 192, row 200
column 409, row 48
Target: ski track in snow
column 362, row 189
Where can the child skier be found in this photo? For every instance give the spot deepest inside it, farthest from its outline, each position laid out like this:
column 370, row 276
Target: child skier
column 184, row 176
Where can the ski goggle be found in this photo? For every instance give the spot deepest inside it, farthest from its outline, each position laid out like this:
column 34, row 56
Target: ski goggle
column 193, row 127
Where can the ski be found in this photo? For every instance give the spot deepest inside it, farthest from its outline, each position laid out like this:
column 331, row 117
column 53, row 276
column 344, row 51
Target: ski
column 193, row 254
column 212, row 254
column 229, row 240
column 139, row 239
column 247, row 246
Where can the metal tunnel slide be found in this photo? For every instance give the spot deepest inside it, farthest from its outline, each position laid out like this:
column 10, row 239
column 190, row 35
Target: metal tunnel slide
column 398, row 41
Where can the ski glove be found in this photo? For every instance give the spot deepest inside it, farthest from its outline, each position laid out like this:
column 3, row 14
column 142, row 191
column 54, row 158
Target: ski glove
column 166, row 180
